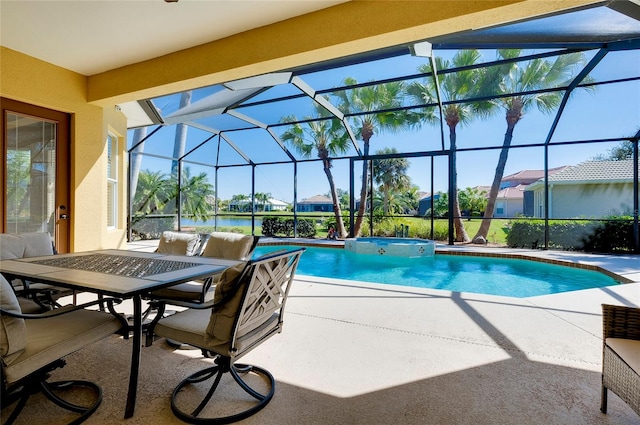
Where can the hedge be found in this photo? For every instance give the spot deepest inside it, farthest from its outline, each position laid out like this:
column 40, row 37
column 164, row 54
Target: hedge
column 615, row 234
column 283, row 227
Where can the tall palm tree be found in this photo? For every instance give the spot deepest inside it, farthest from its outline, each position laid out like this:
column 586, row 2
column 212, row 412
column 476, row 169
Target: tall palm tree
column 364, row 103
column 473, row 199
column 154, row 189
column 195, row 196
column 329, row 138
column 263, row 199
column 390, row 174
column 519, row 77
column 240, row 201
column 180, row 141
column 454, row 87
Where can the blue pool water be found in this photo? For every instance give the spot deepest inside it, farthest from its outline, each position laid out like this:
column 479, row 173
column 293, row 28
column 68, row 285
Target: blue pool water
column 485, row 275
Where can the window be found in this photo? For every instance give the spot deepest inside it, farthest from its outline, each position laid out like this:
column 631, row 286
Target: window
column 112, row 181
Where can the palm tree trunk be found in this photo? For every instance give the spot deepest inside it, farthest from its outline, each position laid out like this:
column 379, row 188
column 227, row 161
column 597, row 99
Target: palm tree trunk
column 458, row 224
column 363, row 191
column 181, row 135
column 483, row 231
column 138, row 135
column 342, row 233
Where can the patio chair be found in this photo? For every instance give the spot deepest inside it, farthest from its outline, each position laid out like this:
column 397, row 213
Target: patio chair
column 227, row 245
column 33, row 345
column 621, row 355
column 33, row 244
column 247, row 309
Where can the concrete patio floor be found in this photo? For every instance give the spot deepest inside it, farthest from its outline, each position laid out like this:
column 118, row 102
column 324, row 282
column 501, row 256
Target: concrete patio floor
column 362, row 353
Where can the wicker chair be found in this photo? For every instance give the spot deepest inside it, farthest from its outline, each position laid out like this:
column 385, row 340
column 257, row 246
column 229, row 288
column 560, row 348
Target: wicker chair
column 247, row 309
column 621, row 355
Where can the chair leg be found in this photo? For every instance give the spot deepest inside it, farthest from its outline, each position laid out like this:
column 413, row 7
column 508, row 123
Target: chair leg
column 50, row 390
column 223, row 365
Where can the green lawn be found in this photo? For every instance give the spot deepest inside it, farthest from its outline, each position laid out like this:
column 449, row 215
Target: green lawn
column 418, row 227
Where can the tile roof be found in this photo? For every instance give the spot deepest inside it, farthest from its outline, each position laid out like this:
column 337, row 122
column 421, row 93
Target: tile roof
column 596, row 171
column 516, row 192
column 318, row 199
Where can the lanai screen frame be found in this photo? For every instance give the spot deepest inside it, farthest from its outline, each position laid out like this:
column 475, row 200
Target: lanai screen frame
column 601, row 44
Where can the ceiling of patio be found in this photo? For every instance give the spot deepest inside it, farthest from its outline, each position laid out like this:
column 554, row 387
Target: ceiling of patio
column 245, row 118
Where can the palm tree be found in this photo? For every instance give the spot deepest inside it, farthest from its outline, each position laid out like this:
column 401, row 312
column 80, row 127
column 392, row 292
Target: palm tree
column 180, row 141
column 365, row 103
column 390, row 174
column 329, row 138
column 240, row 201
column 473, row 199
column 196, row 192
column 263, row 199
column 454, row 87
column 518, row 77
column 154, row 189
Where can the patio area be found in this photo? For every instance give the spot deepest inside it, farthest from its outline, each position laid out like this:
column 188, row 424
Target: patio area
column 360, row 353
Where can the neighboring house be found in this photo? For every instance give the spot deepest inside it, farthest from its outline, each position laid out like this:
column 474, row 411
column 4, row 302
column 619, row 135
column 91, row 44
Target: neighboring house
column 318, row 203
column 245, row 205
column 425, row 202
column 276, row 205
column 511, row 202
column 589, row 189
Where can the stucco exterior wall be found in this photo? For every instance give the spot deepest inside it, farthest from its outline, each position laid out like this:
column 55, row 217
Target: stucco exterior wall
column 586, row 200
column 33, row 81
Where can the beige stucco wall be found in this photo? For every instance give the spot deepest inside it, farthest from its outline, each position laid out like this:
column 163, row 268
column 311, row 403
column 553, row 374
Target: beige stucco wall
column 586, row 200
column 33, row 81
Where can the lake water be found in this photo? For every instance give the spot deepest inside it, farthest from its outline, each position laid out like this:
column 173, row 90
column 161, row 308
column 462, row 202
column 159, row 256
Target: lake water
column 223, row 222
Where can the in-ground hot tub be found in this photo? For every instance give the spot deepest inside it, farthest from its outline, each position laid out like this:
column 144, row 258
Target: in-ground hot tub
column 401, row 247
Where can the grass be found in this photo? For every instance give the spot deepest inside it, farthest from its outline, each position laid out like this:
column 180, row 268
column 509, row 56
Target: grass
column 418, row 227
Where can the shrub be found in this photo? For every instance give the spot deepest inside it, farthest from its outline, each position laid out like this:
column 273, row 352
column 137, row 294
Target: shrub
column 283, row 227
column 612, row 235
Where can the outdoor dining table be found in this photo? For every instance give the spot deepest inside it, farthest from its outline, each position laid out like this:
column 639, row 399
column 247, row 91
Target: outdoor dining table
column 117, row 273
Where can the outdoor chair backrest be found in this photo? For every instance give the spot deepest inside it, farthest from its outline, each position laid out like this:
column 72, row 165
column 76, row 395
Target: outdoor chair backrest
column 230, row 246
column 249, row 303
column 25, row 245
column 179, row 243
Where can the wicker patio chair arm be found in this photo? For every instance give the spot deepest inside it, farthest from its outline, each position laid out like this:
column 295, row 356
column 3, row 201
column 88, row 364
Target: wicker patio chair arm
column 620, row 322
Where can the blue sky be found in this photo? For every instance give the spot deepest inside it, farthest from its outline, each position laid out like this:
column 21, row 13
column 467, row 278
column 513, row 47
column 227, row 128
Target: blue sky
column 611, row 111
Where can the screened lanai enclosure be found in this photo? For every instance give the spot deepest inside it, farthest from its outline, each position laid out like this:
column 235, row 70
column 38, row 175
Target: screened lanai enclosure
column 522, row 135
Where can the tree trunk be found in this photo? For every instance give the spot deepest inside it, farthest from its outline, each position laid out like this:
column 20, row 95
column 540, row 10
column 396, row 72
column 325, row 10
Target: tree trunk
column 458, row 224
column 483, row 231
column 138, row 135
column 342, row 233
column 363, row 191
column 181, row 136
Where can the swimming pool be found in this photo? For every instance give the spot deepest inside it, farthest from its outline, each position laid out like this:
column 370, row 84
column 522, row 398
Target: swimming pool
column 485, row 275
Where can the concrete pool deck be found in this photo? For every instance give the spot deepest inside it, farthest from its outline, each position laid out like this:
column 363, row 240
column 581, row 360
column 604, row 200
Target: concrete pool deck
column 361, row 353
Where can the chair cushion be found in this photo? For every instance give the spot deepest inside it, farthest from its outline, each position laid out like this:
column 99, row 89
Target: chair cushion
column 188, row 291
column 231, row 246
column 12, row 246
column 55, row 337
column 37, row 244
column 177, row 243
column 13, row 339
column 628, row 350
column 220, row 327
